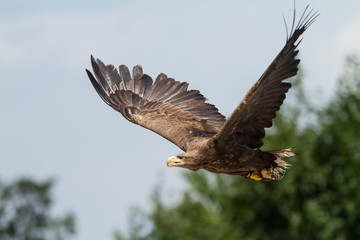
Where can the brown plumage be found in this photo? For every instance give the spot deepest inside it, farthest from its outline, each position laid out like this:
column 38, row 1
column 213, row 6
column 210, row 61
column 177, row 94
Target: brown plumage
column 182, row 116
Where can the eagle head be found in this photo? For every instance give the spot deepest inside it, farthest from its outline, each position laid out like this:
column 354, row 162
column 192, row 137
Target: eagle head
column 183, row 160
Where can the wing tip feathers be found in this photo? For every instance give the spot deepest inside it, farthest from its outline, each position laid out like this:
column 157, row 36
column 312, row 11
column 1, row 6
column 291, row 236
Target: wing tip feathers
column 164, row 89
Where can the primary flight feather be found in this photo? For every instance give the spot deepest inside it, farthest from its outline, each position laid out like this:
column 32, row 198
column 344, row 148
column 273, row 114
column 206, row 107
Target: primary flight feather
column 208, row 139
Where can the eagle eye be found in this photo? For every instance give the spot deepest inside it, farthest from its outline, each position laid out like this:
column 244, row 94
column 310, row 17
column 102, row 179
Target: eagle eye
column 180, row 157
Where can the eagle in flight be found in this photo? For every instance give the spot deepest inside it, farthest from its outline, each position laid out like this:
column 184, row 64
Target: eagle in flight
column 182, row 116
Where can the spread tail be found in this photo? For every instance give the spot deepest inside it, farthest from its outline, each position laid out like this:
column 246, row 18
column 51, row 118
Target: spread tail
column 278, row 172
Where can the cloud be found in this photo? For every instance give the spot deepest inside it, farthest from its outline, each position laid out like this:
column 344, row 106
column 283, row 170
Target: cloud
column 10, row 53
column 33, row 39
column 348, row 39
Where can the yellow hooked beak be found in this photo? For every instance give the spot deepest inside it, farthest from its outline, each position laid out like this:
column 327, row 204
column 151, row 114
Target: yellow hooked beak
column 173, row 161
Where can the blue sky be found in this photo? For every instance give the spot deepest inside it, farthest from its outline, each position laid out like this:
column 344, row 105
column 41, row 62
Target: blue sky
column 53, row 123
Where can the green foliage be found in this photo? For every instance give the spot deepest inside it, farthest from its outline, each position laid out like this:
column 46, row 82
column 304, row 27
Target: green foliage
column 318, row 198
column 25, row 213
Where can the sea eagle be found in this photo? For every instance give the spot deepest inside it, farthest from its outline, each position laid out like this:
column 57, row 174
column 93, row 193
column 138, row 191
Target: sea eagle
column 182, row 116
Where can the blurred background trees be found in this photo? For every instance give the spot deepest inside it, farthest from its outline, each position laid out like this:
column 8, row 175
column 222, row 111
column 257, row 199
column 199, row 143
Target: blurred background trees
column 25, row 212
column 318, row 198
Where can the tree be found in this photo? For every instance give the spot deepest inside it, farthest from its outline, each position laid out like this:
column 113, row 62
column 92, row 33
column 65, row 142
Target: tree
column 318, row 198
column 25, row 213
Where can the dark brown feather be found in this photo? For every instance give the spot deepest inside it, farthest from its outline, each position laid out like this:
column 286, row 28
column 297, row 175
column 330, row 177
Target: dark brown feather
column 165, row 106
column 259, row 106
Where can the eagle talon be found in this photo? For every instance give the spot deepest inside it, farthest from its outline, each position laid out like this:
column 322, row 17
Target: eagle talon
column 265, row 173
column 256, row 176
column 260, row 175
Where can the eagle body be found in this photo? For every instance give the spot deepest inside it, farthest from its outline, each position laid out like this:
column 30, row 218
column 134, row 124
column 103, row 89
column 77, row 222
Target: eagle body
column 239, row 160
column 209, row 140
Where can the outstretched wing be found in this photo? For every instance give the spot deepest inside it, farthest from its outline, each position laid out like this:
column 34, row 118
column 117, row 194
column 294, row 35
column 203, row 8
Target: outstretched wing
column 260, row 104
column 165, row 106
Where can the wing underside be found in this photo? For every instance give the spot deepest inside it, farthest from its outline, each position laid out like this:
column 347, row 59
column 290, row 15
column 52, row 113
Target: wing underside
column 165, row 106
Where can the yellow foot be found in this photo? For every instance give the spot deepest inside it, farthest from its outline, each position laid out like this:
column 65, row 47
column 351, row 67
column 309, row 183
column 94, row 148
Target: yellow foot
column 265, row 173
column 260, row 175
column 255, row 176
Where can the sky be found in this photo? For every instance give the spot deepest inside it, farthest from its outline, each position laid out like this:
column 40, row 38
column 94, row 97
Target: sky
column 54, row 125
